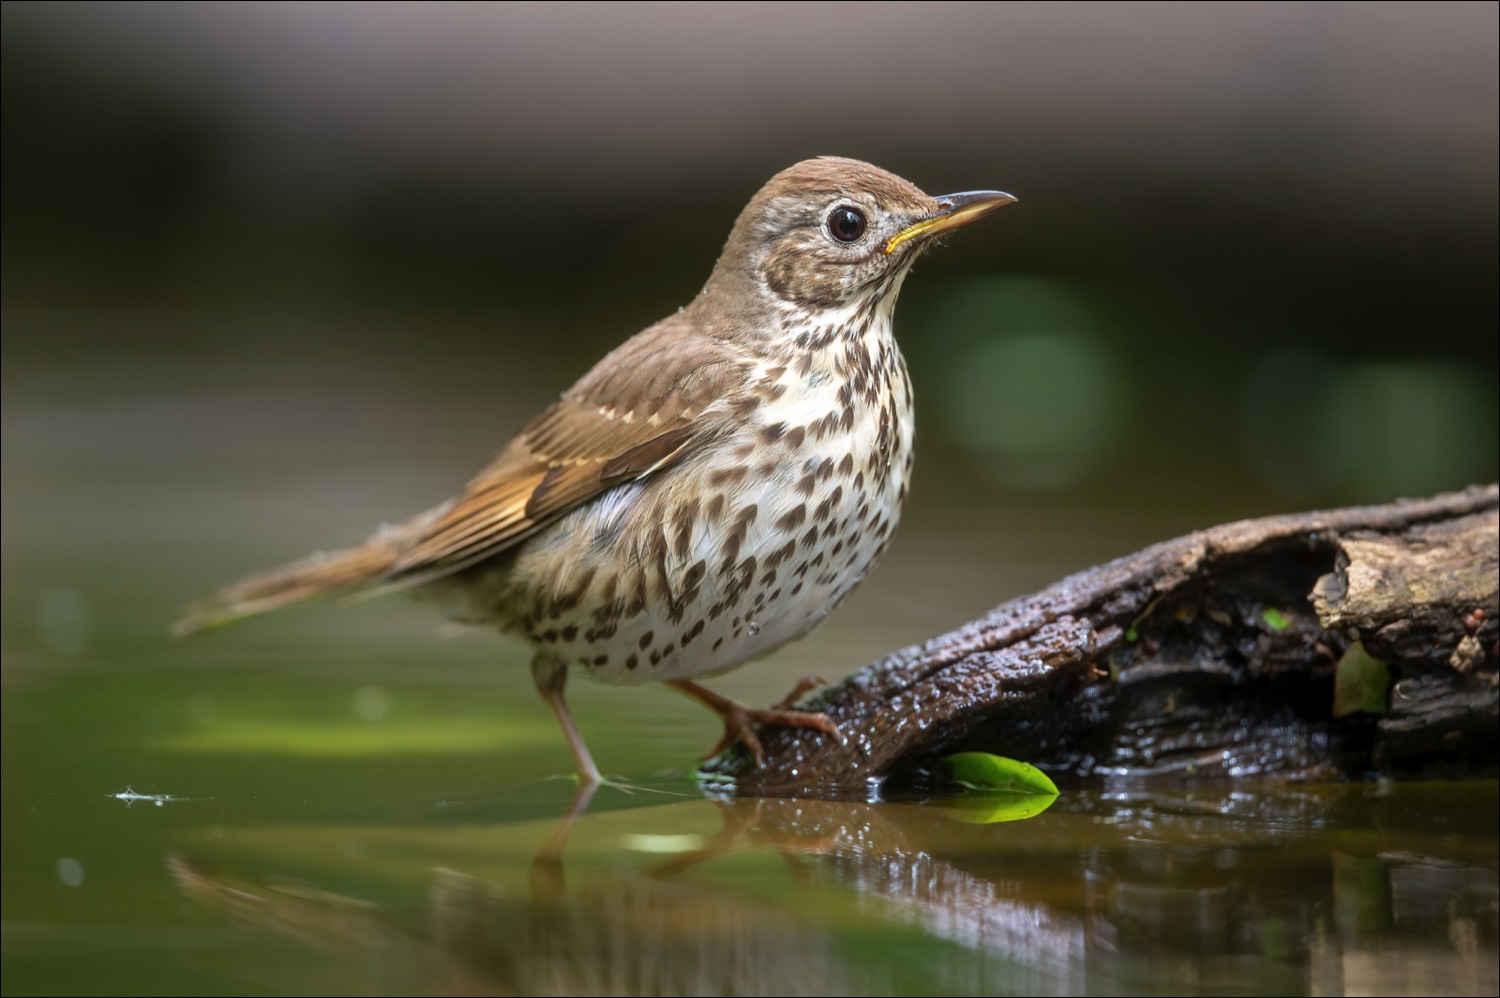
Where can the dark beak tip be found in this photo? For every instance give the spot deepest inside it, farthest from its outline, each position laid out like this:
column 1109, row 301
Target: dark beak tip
column 995, row 199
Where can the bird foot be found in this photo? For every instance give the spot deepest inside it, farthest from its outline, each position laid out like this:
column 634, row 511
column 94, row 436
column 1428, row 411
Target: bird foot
column 804, row 686
column 740, row 721
column 739, row 726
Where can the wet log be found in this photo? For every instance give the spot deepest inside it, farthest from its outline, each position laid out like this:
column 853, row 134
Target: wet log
column 1218, row 654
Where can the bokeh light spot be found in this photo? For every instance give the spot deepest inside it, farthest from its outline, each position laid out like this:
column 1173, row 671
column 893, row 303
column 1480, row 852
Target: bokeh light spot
column 70, row 871
column 1367, row 431
column 370, row 703
column 1032, row 393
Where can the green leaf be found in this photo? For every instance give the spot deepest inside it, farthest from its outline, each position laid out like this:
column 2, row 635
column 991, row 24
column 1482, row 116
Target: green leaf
column 1360, row 683
column 1275, row 619
column 993, row 808
column 982, row 771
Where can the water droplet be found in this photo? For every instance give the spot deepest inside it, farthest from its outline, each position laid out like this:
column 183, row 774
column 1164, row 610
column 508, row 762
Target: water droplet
column 70, row 871
column 753, row 627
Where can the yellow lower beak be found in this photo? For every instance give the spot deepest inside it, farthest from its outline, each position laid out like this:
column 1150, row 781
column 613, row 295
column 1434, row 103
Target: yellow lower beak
column 958, row 209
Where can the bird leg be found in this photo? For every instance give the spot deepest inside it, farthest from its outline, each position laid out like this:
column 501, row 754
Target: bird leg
column 738, row 719
column 547, row 868
column 550, row 676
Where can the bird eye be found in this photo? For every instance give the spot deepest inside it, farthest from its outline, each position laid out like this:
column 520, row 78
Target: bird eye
column 846, row 224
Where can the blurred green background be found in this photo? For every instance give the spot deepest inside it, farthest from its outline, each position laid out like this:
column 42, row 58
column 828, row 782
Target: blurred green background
column 274, row 274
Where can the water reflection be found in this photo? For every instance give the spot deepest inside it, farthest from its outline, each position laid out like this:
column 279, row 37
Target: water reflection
column 1332, row 891
column 640, row 932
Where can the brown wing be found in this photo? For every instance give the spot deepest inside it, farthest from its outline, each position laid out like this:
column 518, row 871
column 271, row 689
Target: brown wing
column 644, row 407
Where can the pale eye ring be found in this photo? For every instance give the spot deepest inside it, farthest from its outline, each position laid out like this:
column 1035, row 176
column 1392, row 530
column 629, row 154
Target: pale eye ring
column 846, row 223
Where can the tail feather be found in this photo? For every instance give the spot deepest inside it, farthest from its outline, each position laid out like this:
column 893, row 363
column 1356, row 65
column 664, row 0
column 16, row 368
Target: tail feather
column 331, row 574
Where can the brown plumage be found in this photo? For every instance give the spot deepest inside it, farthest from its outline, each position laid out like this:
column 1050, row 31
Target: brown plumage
column 712, row 487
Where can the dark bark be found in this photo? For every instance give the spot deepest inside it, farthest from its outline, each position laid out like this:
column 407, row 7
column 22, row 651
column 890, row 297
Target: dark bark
column 1212, row 655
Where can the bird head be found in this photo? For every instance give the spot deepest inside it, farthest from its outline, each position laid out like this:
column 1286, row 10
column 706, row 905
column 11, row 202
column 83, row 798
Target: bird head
column 829, row 233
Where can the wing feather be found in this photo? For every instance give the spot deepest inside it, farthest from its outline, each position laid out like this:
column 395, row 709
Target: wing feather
column 647, row 405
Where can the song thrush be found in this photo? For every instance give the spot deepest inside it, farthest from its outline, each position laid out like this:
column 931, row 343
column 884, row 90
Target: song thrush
column 712, row 488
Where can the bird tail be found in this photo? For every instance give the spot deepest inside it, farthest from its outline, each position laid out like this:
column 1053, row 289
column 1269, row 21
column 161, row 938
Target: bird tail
column 329, row 574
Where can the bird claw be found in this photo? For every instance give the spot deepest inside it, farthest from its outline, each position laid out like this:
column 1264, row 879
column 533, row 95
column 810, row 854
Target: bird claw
column 804, row 686
column 739, row 726
column 739, row 720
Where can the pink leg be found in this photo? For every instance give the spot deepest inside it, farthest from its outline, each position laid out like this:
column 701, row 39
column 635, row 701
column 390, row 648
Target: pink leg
column 550, row 677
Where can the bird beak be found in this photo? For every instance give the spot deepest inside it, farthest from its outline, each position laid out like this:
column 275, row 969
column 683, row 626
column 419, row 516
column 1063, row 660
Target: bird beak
column 957, row 209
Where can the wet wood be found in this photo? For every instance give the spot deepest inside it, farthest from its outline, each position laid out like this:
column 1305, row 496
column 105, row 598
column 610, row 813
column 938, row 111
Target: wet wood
column 1214, row 654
